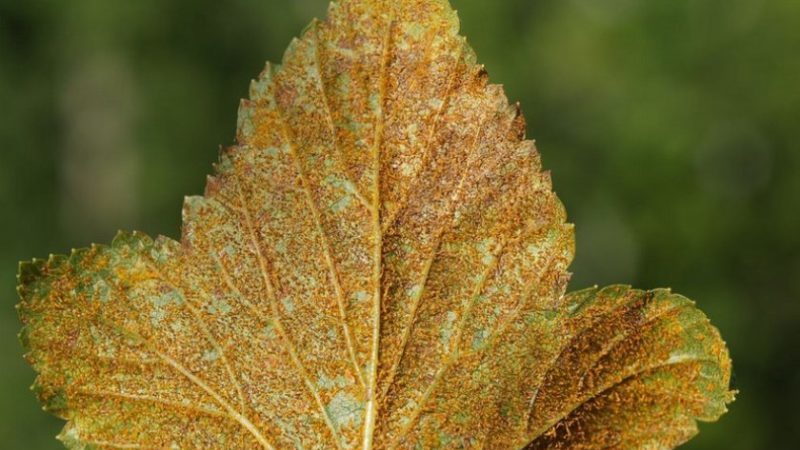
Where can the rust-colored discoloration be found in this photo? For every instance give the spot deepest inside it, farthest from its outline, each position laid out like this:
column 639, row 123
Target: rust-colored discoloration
column 636, row 370
column 379, row 263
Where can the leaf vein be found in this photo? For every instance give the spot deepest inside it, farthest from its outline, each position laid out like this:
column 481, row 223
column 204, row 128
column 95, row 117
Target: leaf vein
column 290, row 347
column 323, row 87
column 611, row 386
column 209, row 337
column 453, row 206
column 330, row 264
column 427, row 152
column 371, row 413
column 197, row 381
column 151, row 399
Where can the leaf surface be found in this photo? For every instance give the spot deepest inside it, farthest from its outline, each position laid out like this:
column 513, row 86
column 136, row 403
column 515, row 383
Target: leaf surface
column 636, row 370
column 379, row 263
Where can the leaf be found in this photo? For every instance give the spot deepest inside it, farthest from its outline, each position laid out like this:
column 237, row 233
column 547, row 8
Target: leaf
column 635, row 370
column 378, row 263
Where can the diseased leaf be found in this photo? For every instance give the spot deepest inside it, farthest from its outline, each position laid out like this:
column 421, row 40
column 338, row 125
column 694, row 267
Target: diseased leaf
column 635, row 371
column 378, row 263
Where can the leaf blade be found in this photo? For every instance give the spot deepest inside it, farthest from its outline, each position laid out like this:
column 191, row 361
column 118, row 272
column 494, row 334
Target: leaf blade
column 379, row 263
column 648, row 360
column 67, row 311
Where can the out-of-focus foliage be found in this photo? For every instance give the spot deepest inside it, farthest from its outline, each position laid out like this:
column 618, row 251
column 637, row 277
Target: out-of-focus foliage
column 669, row 126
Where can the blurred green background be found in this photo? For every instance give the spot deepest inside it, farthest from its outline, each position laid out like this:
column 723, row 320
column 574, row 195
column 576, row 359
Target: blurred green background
column 671, row 129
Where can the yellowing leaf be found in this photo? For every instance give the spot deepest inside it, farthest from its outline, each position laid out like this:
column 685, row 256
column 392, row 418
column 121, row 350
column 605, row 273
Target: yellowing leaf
column 635, row 370
column 380, row 263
